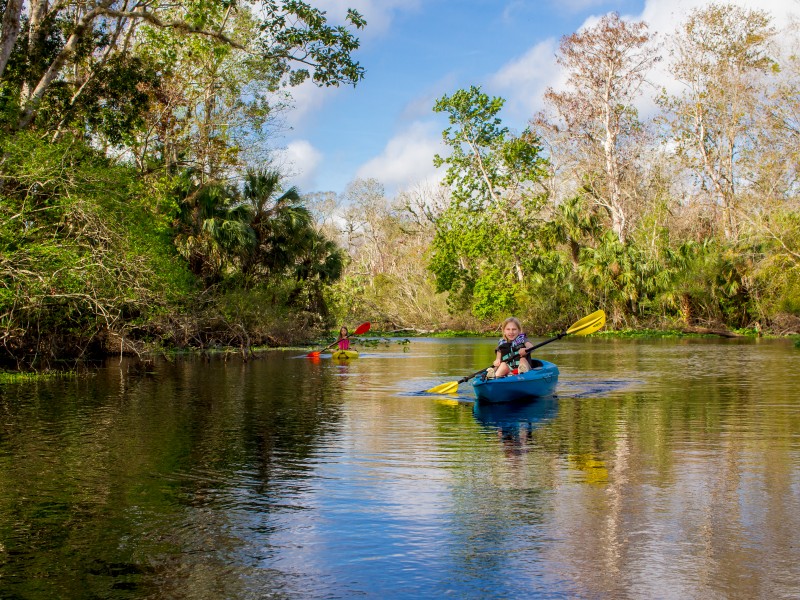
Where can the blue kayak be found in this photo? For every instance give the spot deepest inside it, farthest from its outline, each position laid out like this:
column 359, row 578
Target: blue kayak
column 539, row 381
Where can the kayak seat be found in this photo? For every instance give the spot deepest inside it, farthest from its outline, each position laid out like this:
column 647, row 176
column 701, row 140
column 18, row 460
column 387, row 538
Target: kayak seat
column 535, row 364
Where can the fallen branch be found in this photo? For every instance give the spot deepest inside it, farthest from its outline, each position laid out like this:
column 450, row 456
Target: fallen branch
column 708, row 331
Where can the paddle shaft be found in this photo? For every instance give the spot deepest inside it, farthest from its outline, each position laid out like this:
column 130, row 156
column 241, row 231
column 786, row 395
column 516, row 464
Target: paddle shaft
column 552, row 339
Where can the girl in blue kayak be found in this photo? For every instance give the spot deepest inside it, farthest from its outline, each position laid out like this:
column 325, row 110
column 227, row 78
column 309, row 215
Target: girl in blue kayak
column 512, row 351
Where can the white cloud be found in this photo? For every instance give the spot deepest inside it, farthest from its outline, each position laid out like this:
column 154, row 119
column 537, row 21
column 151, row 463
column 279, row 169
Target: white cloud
column 665, row 15
column 300, row 161
column 407, row 159
column 379, row 14
column 523, row 81
column 308, row 99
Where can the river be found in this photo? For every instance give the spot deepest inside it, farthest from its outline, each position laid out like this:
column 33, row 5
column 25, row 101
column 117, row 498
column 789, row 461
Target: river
column 662, row 469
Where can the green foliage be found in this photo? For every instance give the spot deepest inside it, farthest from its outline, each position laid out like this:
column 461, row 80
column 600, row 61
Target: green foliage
column 493, row 296
column 252, row 317
column 111, row 106
column 93, row 251
column 86, row 256
column 12, row 377
column 481, row 250
column 262, row 235
column 294, row 32
column 81, row 254
column 211, row 231
column 776, row 270
column 486, row 162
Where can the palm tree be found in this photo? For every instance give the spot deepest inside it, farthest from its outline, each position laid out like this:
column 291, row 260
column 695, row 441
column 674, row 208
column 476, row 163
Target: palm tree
column 213, row 232
column 274, row 214
column 319, row 262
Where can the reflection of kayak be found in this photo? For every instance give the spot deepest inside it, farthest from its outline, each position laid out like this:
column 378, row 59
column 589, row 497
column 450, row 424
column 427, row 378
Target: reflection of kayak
column 503, row 414
column 515, row 422
column 340, row 354
column 539, row 381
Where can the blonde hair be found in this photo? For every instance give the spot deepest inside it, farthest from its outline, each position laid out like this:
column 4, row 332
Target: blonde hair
column 513, row 320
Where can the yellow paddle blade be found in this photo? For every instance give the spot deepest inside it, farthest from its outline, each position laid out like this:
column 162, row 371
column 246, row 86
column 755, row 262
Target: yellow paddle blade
column 451, row 387
column 588, row 324
column 591, row 327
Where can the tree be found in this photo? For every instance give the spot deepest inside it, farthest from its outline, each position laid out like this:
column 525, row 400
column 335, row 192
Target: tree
column 211, row 231
column 274, row 214
column 10, row 31
column 607, row 64
column 774, row 158
column 368, row 222
column 721, row 57
column 483, row 238
column 487, row 165
column 68, row 43
column 317, row 262
column 82, row 258
column 386, row 277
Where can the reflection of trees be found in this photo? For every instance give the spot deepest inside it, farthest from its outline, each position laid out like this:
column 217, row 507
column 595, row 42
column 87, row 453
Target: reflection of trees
column 692, row 498
column 122, row 480
column 686, row 489
column 187, row 482
column 515, row 422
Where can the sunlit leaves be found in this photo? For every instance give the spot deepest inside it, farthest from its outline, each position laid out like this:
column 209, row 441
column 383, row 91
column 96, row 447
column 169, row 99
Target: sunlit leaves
column 483, row 238
column 298, row 41
column 486, row 163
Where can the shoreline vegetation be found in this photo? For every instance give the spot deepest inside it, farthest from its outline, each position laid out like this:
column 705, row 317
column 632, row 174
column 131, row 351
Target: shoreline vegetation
column 136, row 220
column 386, row 338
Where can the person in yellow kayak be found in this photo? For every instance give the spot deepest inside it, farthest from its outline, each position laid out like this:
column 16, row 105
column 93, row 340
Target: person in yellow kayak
column 511, row 352
column 344, row 339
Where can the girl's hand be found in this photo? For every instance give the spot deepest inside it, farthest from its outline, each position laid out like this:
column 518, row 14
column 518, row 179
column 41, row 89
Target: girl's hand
column 523, row 351
column 496, row 363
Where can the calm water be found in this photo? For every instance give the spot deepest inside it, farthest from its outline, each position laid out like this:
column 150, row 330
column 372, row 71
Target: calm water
column 664, row 469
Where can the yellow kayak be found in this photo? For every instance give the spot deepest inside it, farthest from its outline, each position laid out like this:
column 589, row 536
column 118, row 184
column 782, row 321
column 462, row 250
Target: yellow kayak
column 344, row 354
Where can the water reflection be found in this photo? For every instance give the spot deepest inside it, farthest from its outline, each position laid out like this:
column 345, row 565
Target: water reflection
column 297, row 478
column 515, row 421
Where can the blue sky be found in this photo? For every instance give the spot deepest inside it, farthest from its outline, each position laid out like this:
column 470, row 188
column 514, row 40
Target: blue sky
column 415, row 51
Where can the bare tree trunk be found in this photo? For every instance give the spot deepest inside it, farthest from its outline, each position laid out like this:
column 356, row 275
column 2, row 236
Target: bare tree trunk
column 487, row 180
column 120, row 25
column 723, row 194
column 82, row 27
column 612, row 166
column 10, row 32
column 38, row 10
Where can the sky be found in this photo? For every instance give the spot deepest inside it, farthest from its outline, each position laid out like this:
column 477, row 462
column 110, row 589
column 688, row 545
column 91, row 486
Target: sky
column 416, row 51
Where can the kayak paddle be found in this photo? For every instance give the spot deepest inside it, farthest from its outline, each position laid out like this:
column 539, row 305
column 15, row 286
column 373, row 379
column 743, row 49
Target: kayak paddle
column 585, row 326
column 363, row 328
